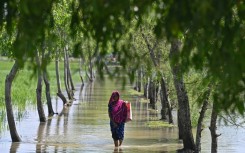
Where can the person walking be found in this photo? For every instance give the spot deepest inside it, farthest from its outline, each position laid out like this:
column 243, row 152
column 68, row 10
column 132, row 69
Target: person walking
column 117, row 111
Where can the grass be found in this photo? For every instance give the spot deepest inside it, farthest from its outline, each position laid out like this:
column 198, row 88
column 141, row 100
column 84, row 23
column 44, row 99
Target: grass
column 158, row 124
column 135, row 93
column 24, row 85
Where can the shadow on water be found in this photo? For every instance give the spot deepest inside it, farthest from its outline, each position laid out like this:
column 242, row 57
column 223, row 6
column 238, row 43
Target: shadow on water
column 84, row 127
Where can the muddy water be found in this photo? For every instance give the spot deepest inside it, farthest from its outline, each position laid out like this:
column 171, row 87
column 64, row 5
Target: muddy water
column 84, row 127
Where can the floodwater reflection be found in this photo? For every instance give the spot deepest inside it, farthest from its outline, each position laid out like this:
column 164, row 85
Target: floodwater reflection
column 84, row 127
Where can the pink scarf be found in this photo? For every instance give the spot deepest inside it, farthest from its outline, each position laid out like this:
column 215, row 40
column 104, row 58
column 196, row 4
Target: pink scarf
column 118, row 111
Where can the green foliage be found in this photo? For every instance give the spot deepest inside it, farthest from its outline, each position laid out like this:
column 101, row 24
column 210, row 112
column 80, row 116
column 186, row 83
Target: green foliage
column 5, row 44
column 214, row 40
column 212, row 33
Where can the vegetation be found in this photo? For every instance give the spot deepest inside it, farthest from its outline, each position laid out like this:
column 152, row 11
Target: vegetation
column 204, row 39
column 25, row 82
column 158, row 124
column 180, row 42
column 24, row 87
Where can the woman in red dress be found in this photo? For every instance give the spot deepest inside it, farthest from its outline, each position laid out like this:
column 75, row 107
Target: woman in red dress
column 118, row 113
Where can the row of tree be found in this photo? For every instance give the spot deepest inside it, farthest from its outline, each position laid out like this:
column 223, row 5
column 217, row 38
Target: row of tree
column 160, row 77
column 206, row 36
column 54, row 46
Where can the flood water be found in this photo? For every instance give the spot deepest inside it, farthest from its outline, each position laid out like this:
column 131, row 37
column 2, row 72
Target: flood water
column 84, row 127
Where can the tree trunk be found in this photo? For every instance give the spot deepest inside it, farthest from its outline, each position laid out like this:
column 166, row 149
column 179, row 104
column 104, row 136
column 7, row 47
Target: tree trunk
column 66, row 77
column 59, row 93
column 49, row 101
column 90, row 68
column 166, row 103
column 80, row 71
column 40, row 110
column 47, row 84
column 145, row 90
column 180, row 125
column 139, row 80
column 10, row 116
column 212, row 128
column 152, row 94
column 200, row 121
column 156, row 60
column 69, row 73
column 150, row 88
column 70, row 80
column 163, row 110
column 183, row 101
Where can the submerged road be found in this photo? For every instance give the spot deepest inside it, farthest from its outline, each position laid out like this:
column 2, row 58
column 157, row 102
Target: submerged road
column 84, row 126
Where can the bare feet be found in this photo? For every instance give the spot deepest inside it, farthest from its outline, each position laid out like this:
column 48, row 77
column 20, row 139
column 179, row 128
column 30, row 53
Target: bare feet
column 117, row 150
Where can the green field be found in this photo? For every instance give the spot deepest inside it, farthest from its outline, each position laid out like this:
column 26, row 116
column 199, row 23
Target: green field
column 24, row 85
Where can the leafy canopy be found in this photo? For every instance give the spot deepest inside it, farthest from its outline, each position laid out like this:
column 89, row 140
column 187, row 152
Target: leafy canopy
column 212, row 33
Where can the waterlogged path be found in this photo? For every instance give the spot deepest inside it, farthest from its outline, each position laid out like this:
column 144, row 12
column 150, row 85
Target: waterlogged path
column 84, row 127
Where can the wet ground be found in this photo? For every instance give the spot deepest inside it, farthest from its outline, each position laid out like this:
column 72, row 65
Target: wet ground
column 84, row 127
